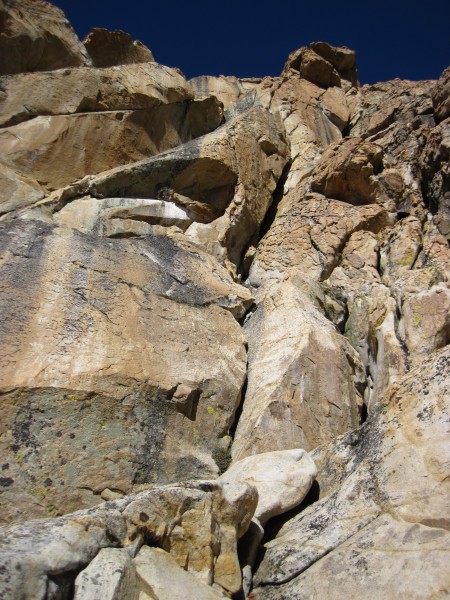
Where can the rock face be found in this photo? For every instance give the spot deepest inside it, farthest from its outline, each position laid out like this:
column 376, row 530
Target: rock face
column 239, row 284
column 110, row 48
column 121, row 311
column 384, row 490
column 36, row 36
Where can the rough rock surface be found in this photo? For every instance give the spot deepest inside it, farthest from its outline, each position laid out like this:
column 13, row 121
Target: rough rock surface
column 58, row 150
column 36, row 36
column 108, row 342
column 84, row 89
column 196, row 274
column 110, row 48
column 384, row 507
column 197, row 523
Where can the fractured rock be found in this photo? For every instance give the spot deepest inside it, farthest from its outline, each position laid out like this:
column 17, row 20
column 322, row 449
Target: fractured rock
column 384, row 507
column 164, row 579
column 83, row 89
column 303, row 377
column 346, row 171
column 441, row 95
column 197, row 522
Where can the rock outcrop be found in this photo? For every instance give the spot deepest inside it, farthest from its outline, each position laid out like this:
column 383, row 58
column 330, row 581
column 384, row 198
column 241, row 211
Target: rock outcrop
column 225, row 325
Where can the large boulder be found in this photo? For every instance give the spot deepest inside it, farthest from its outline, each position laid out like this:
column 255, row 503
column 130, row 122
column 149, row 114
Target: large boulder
column 111, row 48
column 304, row 379
column 282, row 479
column 197, row 523
column 36, row 36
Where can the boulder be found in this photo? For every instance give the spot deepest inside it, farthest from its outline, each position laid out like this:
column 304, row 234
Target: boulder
column 197, row 523
column 36, row 36
column 111, row 48
column 304, row 378
column 282, row 478
column 163, row 579
column 313, row 67
column 111, row 575
column 347, row 171
column 342, row 58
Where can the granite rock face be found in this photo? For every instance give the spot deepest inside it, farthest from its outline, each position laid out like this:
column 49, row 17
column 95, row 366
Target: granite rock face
column 36, row 36
column 224, row 282
column 110, row 48
column 384, row 506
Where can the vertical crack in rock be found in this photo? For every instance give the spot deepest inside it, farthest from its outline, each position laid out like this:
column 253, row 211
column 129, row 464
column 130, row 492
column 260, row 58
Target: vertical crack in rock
column 133, row 203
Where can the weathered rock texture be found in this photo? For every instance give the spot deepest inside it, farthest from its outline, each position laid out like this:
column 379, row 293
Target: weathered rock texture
column 197, row 523
column 110, row 48
column 385, row 505
column 36, row 36
column 212, row 279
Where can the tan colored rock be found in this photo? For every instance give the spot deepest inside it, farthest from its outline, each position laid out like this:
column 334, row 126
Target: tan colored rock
column 111, row 48
column 303, row 377
column 435, row 166
column 400, row 249
column 425, row 322
column 116, row 343
column 282, row 478
column 312, row 67
column 228, row 90
column 68, row 91
column 342, row 58
column 196, row 522
column 16, row 191
column 116, row 217
column 308, row 233
column 441, row 95
column 110, row 576
column 223, row 180
column 36, row 36
column 396, row 115
column 199, row 523
column 163, row 579
column 346, row 171
column 57, row 150
column 384, row 507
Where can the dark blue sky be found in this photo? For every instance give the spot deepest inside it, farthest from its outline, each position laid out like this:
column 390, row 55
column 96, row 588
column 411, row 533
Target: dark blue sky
column 410, row 40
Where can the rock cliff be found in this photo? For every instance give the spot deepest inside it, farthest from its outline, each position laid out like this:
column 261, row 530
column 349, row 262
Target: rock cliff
column 225, row 325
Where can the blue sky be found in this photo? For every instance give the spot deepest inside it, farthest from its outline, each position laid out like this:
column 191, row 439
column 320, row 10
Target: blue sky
column 410, row 40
